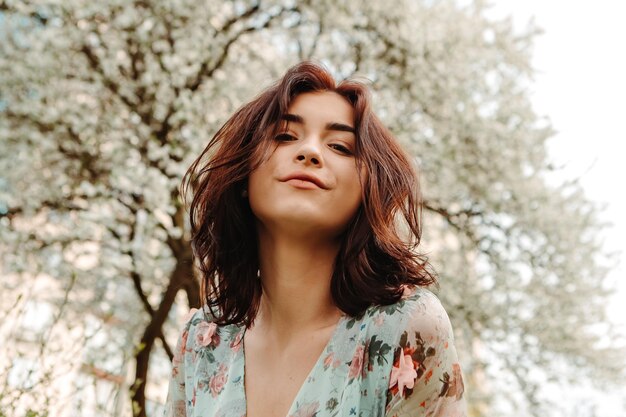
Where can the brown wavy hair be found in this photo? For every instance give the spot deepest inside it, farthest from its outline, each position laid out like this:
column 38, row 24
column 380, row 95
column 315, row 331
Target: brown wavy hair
column 374, row 262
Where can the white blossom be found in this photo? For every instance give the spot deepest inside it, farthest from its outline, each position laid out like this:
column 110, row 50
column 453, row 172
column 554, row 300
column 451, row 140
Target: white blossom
column 103, row 106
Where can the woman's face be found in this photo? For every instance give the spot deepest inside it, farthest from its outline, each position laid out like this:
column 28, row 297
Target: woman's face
column 310, row 183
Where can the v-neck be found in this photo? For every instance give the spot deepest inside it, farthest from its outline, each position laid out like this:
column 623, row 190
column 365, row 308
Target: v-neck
column 311, row 373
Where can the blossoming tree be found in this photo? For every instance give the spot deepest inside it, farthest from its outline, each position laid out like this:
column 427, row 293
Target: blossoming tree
column 103, row 106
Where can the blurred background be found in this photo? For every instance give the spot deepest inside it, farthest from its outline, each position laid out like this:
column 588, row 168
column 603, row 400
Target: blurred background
column 513, row 111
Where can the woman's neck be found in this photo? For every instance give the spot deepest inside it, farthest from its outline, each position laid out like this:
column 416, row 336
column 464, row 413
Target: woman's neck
column 295, row 275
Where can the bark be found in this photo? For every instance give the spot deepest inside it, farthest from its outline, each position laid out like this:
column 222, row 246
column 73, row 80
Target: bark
column 183, row 272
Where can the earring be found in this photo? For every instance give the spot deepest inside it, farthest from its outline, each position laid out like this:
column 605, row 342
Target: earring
column 244, row 193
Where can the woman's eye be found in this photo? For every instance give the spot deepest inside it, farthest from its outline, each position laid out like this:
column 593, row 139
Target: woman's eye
column 285, row 137
column 341, row 148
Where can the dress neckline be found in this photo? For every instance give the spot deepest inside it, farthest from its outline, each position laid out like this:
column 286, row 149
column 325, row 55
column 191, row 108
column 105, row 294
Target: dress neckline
column 312, row 371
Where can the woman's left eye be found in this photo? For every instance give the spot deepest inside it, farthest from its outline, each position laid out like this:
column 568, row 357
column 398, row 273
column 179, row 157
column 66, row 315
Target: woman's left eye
column 341, row 148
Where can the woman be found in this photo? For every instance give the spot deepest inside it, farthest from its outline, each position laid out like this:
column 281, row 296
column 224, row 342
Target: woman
column 315, row 304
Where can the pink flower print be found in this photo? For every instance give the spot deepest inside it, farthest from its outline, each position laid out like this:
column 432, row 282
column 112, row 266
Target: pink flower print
column 404, row 375
column 217, row 382
column 406, row 291
column 456, row 387
column 428, row 375
column 179, row 408
column 235, row 345
column 328, row 360
column 307, row 410
column 366, row 360
column 357, row 362
column 206, row 333
column 379, row 320
column 179, row 354
column 183, row 343
column 189, row 315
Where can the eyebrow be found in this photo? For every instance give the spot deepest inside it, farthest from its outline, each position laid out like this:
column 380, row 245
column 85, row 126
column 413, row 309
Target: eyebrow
column 329, row 126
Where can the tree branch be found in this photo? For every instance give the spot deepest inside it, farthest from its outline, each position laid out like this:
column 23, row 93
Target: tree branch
column 206, row 70
column 112, row 86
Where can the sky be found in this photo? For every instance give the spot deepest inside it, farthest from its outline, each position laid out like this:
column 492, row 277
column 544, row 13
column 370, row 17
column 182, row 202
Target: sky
column 580, row 84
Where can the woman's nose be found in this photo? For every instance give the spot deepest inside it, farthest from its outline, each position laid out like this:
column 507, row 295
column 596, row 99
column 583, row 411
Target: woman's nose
column 309, row 153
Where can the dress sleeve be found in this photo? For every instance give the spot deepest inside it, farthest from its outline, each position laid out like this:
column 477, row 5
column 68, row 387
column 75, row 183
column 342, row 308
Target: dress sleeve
column 426, row 378
column 176, row 403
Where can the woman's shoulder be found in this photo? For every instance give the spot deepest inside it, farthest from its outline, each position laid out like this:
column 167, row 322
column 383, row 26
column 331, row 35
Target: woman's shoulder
column 418, row 311
column 426, row 373
column 202, row 332
column 414, row 301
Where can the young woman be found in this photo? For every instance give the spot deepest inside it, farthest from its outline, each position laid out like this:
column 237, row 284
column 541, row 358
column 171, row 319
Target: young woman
column 315, row 294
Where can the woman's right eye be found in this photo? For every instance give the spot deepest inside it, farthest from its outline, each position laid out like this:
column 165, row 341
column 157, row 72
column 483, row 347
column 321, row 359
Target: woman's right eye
column 285, row 137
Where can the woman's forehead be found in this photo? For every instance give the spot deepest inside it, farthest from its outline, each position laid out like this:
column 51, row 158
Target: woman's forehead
column 322, row 107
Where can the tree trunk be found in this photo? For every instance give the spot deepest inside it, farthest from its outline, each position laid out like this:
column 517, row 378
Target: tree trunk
column 182, row 273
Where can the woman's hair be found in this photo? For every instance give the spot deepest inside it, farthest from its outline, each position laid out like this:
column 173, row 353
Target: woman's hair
column 374, row 263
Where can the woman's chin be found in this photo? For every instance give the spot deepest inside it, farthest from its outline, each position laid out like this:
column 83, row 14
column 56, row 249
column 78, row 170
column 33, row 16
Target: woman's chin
column 302, row 225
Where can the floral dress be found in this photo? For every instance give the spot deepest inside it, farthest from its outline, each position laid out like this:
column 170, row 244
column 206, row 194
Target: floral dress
column 397, row 360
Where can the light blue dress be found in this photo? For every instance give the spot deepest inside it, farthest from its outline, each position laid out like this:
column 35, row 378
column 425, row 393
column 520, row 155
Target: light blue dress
column 397, row 360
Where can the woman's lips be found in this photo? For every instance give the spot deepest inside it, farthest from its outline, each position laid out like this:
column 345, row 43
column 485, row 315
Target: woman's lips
column 303, row 179
column 303, row 184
